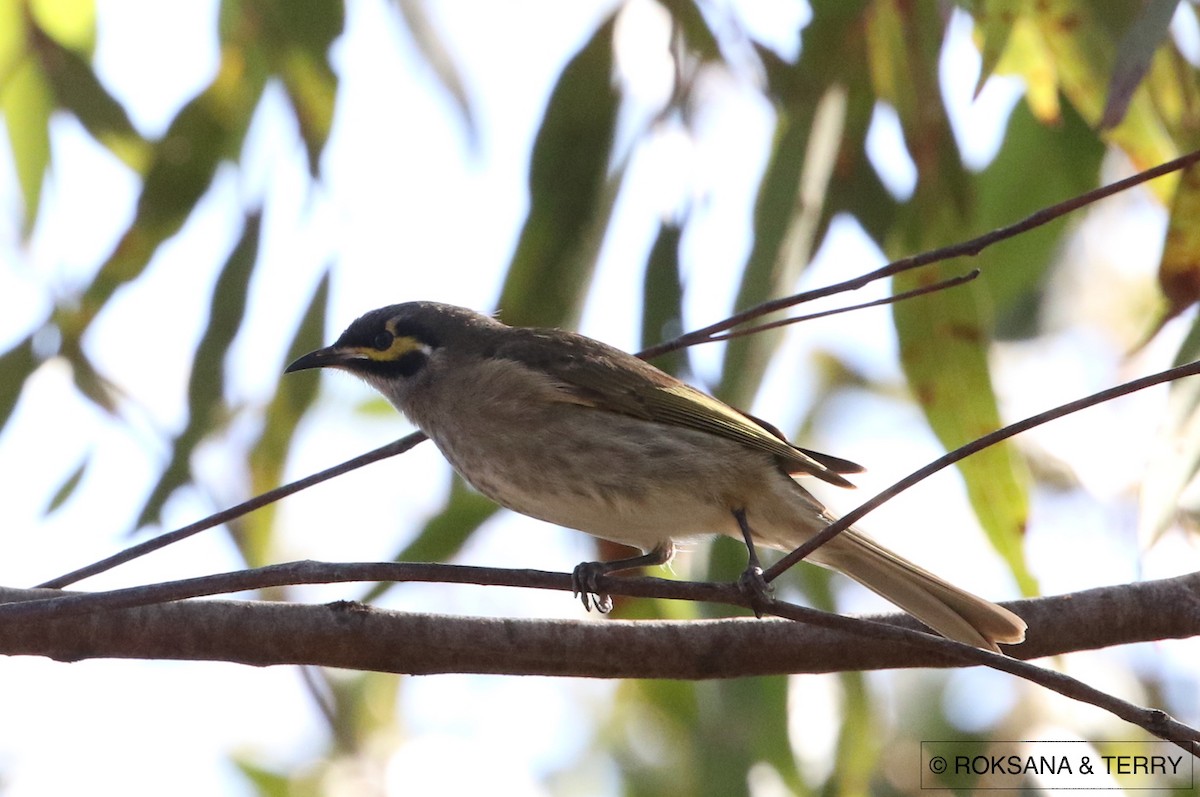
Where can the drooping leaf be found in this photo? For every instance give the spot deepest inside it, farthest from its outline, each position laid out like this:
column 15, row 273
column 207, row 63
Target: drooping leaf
column 1179, row 268
column 206, row 131
column 697, row 34
column 67, row 488
column 445, row 533
column 265, row 782
column 1066, row 159
column 16, row 365
column 1134, row 53
column 789, row 215
column 944, row 337
column 297, row 35
column 943, row 348
column 429, row 42
column 25, row 95
column 77, row 89
column 662, row 297
column 1029, row 56
column 743, row 722
column 269, row 452
column 994, row 20
column 90, row 382
column 206, row 386
column 1080, row 36
column 72, row 23
column 570, row 194
column 858, row 750
column 1175, row 92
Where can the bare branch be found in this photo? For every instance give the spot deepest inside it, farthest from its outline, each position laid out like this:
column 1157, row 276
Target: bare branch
column 917, row 476
column 354, row 636
column 964, row 249
column 232, row 513
column 952, row 282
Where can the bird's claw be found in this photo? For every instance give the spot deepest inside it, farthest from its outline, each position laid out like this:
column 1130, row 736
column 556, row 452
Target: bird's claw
column 583, row 586
column 756, row 589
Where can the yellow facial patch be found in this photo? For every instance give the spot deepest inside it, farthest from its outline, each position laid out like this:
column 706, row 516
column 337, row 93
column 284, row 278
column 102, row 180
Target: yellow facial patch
column 399, row 347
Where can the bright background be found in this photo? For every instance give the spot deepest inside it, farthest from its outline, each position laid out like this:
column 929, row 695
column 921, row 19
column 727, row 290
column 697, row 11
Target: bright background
column 402, row 177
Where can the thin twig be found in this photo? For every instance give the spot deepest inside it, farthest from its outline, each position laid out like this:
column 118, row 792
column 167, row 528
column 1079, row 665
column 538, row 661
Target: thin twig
column 964, row 249
column 1154, row 721
column 952, row 282
column 860, row 511
column 234, row 512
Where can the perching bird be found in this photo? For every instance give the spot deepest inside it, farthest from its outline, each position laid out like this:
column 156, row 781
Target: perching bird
column 564, row 428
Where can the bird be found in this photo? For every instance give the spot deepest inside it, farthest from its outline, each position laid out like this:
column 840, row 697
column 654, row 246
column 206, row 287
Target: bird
column 567, row 429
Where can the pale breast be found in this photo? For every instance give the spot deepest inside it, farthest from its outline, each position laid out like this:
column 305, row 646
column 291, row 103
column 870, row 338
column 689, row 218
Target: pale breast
column 613, row 476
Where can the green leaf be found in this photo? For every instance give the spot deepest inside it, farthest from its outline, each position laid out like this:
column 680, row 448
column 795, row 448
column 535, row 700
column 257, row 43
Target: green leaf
column 206, row 131
column 789, row 215
column 16, row 365
column 67, row 488
column 72, row 23
column 26, row 96
column 79, row 91
column 857, row 756
column 767, row 274
column 264, row 782
column 1179, row 268
column 743, row 722
column 297, row 35
column 1134, row 53
column 269, row 453
column 944, row 337
column 206, row 387
column 662, row 297
column 697, row 34
column 429, row 43
column 571, row 197
column 90, row 382
column 1066, row 159
column 445, row 533
column 1081, row 40
column 943, row 348
column 994, row 24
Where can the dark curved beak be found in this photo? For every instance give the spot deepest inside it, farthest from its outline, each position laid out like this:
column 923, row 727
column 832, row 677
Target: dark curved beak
column 329, row 357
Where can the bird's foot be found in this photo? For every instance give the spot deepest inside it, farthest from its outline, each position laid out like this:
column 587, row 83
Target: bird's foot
column 585, row 574
column 583, row 586
column 756, row 589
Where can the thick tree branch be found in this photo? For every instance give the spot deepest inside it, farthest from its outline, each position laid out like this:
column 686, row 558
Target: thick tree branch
column 350, row 635
column 93, row 625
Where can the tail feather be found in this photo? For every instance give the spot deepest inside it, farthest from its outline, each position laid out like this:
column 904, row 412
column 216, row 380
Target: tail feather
column 947, row 609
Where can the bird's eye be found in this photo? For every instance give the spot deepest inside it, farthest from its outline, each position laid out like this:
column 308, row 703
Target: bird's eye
column 383, row 340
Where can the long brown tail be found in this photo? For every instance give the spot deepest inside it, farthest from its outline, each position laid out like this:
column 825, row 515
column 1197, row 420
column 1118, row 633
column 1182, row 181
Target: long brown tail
column 952, row 612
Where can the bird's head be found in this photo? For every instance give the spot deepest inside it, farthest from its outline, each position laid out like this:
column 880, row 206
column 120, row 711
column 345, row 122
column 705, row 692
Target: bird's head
column 395, row 348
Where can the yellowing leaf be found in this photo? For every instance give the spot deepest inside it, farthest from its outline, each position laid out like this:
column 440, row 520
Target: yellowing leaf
column 1179, row 269
column 1084, row 52
column 26, row 101
column 1028, row 56
column 943, row 347
column 72, row 23
column 994, row 21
